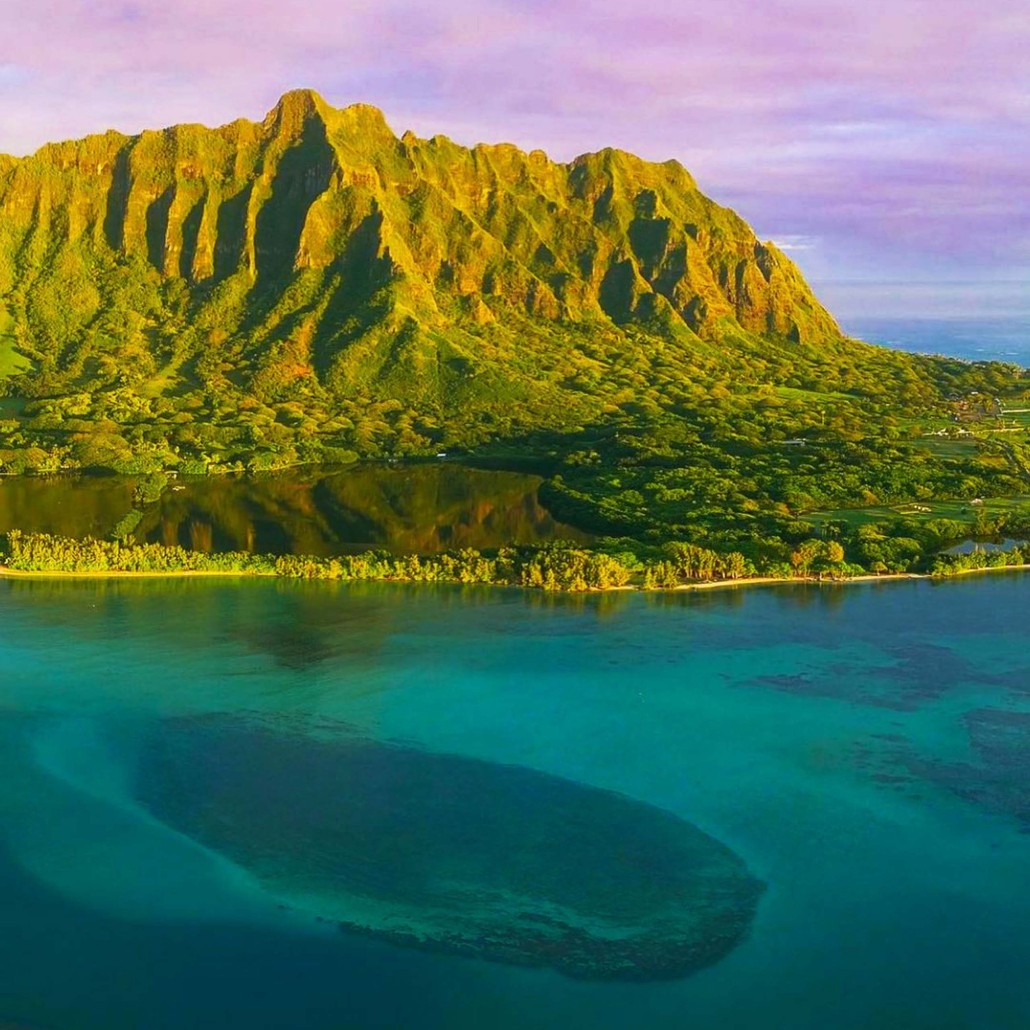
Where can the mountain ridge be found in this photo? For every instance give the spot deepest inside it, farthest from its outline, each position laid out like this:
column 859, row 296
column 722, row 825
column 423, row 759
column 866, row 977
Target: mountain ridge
column 313, row 286
column 310, row 185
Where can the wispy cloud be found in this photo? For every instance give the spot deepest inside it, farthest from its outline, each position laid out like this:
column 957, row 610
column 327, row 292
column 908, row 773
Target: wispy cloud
column 892, row 131
column 790, row 242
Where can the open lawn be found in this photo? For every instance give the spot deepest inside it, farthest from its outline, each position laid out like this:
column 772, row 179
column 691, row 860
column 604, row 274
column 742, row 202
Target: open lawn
column 1018, row 415
column 944, row 447
column 921, row 511
column 11, row 362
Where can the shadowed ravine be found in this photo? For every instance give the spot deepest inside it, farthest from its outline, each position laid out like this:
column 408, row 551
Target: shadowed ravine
column 450, row 853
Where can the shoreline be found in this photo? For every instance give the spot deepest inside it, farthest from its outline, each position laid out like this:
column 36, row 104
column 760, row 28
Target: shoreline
column 756, row 581
column 9, row 573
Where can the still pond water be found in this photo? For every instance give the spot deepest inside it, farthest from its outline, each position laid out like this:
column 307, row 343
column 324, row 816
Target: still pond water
column 404, row 508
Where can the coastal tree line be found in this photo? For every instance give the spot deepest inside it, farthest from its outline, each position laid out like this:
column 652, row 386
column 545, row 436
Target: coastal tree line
column 552, row 567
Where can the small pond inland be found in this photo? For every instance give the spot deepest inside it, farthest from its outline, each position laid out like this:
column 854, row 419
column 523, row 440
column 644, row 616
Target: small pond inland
column 419, row 508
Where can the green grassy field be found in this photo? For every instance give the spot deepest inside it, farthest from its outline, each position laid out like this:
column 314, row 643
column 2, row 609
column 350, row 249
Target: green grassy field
column 920, row 511
column 942, row 447
column 11, row 362
column 1018, row 415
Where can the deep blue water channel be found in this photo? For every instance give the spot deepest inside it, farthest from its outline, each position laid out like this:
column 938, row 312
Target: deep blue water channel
column 192, row 775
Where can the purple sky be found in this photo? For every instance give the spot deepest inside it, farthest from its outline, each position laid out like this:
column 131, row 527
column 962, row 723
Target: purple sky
column 878, row 139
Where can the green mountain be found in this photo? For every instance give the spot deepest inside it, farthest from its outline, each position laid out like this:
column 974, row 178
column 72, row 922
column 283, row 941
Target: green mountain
column 314, row 288
column 400, row 292
column 320, row 224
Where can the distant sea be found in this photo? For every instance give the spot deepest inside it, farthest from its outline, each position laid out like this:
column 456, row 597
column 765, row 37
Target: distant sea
column 975, row 321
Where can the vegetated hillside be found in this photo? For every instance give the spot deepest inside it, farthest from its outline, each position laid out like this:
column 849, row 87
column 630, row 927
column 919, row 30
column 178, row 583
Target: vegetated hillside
column 315, row 289
column 269, row 291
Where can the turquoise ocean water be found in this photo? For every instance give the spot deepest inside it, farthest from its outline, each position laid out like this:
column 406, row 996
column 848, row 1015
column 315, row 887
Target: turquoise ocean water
column 864, row 751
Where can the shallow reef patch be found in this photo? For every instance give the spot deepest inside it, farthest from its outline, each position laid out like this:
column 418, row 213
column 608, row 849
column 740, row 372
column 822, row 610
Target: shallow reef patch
column 450, row 853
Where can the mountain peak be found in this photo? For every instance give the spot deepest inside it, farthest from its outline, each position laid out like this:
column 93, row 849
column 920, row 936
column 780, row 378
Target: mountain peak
column 364, row 118
column 295, row 109
column 300, row 100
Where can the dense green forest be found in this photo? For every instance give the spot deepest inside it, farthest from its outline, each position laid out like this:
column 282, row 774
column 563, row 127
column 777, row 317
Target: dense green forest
column 552, row 567
column 315, row 289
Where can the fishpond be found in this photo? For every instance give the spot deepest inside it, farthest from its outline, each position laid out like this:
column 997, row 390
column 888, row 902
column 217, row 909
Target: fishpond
column 415, row 508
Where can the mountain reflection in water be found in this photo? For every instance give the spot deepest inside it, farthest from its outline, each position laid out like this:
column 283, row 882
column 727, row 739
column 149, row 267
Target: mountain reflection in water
column 405, row 509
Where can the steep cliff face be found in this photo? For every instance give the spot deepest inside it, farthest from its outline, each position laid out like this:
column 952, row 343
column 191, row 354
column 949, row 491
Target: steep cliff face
column 317, row 246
